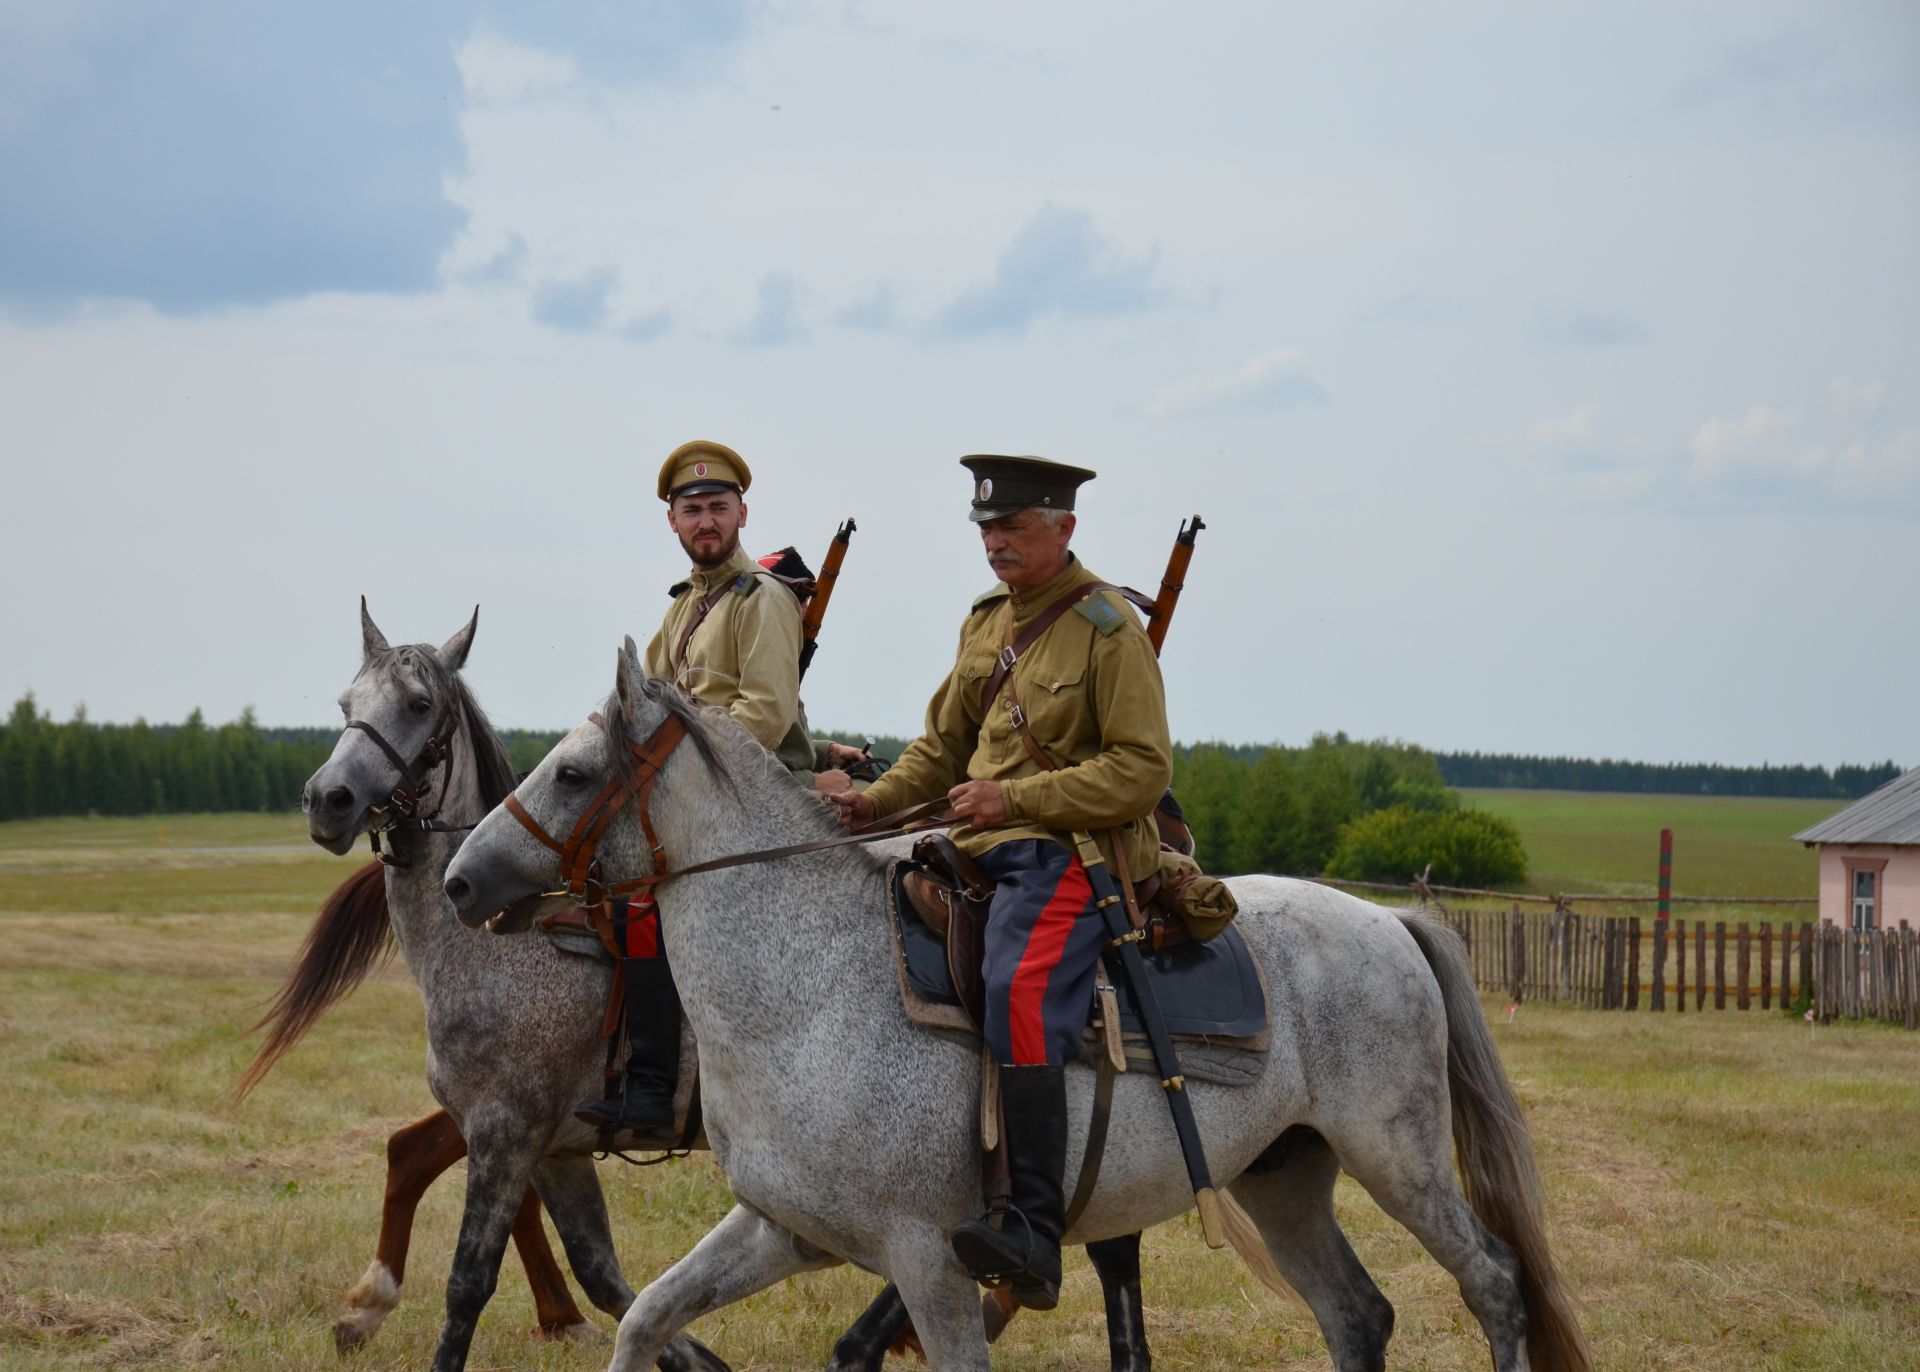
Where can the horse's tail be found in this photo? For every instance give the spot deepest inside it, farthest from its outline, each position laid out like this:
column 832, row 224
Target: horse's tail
column 1245, row 1237
column 351, row 937
column 1495, row 1154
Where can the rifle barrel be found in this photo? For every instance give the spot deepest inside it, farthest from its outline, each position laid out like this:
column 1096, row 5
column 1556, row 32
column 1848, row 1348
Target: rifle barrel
column 1172, row 582
column 823, row 584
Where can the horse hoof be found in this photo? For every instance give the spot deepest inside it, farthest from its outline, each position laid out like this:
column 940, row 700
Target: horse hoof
column 351, row 1331
column 580, row 1332
column 370, row 1301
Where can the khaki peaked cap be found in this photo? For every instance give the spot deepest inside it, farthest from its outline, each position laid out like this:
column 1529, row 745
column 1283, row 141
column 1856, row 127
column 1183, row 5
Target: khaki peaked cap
column 1002, row 485
column 703, row 465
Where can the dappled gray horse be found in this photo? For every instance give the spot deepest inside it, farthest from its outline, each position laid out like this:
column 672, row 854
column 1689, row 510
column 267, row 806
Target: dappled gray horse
column 512, row 1025
column 413, row 725
column 848, row 1133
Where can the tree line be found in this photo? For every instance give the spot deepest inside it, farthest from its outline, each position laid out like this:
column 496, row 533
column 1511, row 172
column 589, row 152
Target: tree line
column 1849, row 781
column 80, row 767
column 1365, row 810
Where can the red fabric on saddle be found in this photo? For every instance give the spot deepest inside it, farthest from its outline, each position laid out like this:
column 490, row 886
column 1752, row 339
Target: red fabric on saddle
column 643, row 928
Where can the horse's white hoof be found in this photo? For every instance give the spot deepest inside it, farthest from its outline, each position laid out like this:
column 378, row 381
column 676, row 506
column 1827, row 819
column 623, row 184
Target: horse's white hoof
column 369, row 1302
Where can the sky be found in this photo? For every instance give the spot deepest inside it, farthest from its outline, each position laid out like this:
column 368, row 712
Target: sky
column 1545, row 375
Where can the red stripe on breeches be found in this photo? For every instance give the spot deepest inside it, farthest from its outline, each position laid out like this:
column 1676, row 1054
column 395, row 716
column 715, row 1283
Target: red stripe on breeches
column 1026, row 1018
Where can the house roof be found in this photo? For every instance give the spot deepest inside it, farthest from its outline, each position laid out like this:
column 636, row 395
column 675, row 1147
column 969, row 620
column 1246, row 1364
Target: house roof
column 1888, row 815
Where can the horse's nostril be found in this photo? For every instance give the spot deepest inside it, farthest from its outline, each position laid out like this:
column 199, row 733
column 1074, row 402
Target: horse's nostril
column 458, row 890
column 340, row 800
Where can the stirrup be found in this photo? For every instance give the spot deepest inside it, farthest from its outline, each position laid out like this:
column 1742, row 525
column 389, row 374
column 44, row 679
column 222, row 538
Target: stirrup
column 998, row 1276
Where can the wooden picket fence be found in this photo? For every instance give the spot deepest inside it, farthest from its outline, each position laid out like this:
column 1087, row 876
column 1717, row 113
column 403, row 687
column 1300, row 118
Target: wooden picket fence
column 1612, row 962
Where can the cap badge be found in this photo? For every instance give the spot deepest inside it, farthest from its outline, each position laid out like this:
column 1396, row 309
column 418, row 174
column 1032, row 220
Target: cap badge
column 699, row 469
column 986, row 488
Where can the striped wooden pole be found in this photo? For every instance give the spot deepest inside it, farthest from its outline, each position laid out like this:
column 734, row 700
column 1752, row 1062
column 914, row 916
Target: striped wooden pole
column 1666, row 874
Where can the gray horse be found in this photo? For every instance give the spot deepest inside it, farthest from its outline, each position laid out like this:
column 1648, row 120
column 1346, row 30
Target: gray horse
column 848, row 1133
column 512, row 1034
column 513, row 1082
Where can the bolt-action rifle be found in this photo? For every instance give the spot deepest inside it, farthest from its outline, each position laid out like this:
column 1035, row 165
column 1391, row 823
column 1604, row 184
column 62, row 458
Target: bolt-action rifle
column 822, row 593
column 1172, row 582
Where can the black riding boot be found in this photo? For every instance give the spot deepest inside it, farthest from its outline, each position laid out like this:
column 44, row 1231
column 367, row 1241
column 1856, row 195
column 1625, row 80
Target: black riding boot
column 643, row 1113
column 1025, row 1250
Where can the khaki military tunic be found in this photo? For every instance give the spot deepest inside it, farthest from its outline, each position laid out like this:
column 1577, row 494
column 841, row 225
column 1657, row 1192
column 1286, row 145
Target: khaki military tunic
column 744, row 657
column 1091, row 690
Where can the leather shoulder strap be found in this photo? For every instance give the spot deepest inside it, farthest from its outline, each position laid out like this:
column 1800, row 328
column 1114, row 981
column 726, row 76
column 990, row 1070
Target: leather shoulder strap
column 699, row 618
column 1045, row 620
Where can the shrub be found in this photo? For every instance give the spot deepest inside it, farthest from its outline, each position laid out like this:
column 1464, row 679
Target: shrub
column 1464, row 847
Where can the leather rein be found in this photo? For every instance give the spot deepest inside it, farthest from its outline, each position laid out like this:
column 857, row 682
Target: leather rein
column 582, row 880
column 402, row 808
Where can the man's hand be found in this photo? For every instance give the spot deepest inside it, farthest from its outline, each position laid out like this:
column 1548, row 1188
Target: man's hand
column 844, row 754
column 982, row 804
column 853, row 807
column 828, row 782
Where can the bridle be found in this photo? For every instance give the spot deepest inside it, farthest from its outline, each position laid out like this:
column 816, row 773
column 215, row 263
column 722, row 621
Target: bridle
column 584, row 883
column 402, row 808
column 579, row 865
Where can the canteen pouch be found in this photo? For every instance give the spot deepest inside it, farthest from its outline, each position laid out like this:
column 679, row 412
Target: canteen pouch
column 1203, row 903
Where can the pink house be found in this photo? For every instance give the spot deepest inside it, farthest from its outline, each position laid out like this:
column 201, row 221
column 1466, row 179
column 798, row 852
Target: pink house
column 1870, row 858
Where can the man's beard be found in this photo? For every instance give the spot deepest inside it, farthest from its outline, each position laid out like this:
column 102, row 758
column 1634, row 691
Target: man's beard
column 706, row 555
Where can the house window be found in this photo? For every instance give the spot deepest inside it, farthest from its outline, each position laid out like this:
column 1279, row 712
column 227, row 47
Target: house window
column 1864, row 885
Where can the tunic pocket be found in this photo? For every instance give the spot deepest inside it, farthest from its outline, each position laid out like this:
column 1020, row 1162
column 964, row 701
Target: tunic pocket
column 1055, row 699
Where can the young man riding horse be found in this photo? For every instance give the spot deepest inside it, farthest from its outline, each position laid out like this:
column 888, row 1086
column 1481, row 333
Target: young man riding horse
column 731, row 639
column 1053, row 719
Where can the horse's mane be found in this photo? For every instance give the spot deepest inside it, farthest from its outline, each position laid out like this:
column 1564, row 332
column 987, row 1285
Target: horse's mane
column 681, row 706
column 734, row 758
column 353, row 934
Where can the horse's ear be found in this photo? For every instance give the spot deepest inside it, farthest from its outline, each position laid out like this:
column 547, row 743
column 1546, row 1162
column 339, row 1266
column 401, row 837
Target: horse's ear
column 372, row 641
column 453, row 653
column 629, row 676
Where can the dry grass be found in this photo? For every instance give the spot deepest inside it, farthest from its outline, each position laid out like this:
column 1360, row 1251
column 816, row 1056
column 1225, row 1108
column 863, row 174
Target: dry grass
column 1726, row 1193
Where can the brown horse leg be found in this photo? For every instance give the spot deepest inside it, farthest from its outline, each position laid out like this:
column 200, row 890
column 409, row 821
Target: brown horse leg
column 553, row 1301
column 417, row 1153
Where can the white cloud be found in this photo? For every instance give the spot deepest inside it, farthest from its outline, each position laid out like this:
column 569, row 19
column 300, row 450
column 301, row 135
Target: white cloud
column 1575, row 430
column 1855, row 399
column 1757, row 440
column 1277, row 379
column 497, row 70
column 1763, row 453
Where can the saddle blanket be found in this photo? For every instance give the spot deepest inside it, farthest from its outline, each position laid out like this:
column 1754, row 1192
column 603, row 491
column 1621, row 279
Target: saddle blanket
column 1211, row 995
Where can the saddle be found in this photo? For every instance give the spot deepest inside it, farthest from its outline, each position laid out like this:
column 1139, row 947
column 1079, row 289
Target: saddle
column 1210, row 993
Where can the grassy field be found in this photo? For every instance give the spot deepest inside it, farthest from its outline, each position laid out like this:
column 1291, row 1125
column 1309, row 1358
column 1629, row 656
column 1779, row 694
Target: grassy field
column 1722, row 845
column 1727, row 1192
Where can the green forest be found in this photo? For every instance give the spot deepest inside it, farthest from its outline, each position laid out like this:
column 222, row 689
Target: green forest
column 1846, row 782
column 1363, row 810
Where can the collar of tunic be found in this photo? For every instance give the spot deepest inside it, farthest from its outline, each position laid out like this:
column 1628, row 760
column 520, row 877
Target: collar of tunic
column 707, row 580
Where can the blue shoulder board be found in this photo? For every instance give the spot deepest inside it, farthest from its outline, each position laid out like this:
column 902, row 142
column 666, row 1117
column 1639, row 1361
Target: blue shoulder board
column 746, row 585
column 1106, row 620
